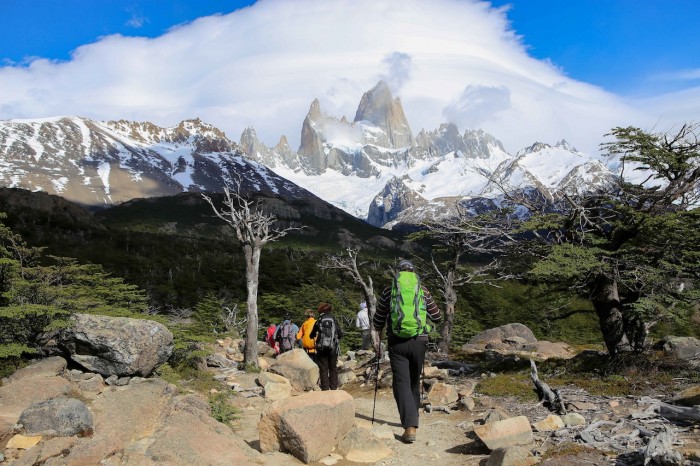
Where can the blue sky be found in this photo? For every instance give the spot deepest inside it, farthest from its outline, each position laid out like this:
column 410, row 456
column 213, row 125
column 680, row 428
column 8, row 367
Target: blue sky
column 630, row 47
column 625, row 46
column 53, row 28
column 535, row 70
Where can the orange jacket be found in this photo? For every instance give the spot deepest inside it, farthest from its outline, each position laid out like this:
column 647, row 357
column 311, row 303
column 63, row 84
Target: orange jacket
column 303, row 334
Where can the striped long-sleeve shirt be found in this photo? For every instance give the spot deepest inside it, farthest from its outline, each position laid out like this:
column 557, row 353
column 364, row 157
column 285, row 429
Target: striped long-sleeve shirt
column 384, row 307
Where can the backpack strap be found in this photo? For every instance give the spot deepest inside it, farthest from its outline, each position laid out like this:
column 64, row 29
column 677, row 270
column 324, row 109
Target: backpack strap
column 417, row 298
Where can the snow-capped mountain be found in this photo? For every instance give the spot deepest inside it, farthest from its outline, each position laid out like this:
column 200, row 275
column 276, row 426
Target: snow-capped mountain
column 374, row 167
column 104, row 163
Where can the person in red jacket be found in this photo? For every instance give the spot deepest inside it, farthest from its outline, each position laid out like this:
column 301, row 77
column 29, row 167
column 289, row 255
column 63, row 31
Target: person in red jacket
column 271, row 338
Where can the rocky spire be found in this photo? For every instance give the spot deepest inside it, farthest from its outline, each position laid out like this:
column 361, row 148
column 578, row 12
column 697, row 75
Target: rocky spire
column 380, row 108
column 251, row 144
column 311, row 146
column 282, row 147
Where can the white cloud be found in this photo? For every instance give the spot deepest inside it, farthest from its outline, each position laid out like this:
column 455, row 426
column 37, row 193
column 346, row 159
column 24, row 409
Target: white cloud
column 476, row 105
column 681, row 75
column 398, row 71
column 137, row 19
column 264, row 64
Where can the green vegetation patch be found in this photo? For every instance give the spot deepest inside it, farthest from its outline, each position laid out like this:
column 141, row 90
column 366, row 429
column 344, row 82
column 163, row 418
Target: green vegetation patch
column 569, row 449
column 221, row 408
column 516, row 385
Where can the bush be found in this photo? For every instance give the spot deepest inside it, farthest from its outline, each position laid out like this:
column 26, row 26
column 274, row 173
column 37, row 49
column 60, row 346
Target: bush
column 221, row 408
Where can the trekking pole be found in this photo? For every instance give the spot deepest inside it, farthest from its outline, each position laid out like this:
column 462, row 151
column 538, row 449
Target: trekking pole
column 376, row 381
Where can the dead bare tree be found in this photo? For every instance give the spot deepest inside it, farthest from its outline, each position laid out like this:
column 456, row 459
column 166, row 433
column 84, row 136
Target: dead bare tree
column 488, row 235
column 254, row 229
column 347, row 264
column 232, row 321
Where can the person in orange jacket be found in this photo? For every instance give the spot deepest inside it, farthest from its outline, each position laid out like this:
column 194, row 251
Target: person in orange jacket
column 304, row 334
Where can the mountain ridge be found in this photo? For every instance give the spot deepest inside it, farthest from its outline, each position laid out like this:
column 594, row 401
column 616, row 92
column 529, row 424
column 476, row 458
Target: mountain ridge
column 373, row 168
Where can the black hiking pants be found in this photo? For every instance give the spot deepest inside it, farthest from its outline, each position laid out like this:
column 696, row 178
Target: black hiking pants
column 328, row 368
column 407, row 356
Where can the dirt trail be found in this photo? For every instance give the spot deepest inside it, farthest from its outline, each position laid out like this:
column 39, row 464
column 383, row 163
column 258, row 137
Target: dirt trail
column 440, row 437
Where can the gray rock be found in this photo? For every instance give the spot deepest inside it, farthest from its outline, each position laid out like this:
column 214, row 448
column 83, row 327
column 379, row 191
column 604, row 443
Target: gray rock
column 116, row 345
column 504, row 332
column 687, row 348
column 64, row 416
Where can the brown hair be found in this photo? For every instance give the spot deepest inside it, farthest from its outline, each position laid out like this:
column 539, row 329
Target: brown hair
column 309, row 313
column 324, row 308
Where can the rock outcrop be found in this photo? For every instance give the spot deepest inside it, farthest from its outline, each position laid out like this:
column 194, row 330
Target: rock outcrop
column 380, row 108
column 144, row 422
column 518, row 340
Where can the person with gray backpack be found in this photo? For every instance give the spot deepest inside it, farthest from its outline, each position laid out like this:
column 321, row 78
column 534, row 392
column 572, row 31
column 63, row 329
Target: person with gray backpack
column 327, row 334
column 404, row 308
column 286, row 335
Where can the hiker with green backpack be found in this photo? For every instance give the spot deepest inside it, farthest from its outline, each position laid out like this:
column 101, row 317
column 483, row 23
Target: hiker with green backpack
column 405, row 307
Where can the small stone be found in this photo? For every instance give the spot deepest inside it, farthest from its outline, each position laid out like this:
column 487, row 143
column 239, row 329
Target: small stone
column 466, row 404
column 574, row 419
column 551, row 422
column 22, row 442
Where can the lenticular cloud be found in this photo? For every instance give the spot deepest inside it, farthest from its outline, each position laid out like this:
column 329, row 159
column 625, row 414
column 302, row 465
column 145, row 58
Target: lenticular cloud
column 447, row 60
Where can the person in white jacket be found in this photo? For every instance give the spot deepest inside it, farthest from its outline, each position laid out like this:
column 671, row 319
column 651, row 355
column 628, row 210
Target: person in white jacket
column 362, row 322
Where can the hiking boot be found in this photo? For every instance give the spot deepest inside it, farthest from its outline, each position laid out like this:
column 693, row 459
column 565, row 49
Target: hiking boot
column 409, row 435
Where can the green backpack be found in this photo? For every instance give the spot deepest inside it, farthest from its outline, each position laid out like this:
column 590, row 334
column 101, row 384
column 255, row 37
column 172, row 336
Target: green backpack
column 408, row 316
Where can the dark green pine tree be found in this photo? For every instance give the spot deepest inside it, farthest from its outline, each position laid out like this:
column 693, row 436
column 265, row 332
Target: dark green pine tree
column 633, row 248
column 39, row 293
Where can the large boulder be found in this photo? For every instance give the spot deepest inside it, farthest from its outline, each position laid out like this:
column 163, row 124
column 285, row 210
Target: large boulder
column 309, row 425
column 504, row 333
column 506, row 433
column 515, row 340
column 686, row 348
column 116, row 345
column 298, row 368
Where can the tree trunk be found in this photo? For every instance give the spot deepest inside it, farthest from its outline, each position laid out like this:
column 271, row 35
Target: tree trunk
column 252, row 260
column 606, row 302
column 636, row 332
column 371, row 300
column 450, row 296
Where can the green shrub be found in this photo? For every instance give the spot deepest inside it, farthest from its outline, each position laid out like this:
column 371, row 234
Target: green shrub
column 221, row 408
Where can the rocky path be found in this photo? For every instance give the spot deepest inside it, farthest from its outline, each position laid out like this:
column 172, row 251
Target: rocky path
column 442, row 437
column 449, row 438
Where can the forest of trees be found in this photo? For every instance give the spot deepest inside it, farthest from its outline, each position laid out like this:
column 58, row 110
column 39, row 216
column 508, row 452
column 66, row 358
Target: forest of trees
column 606, row 269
